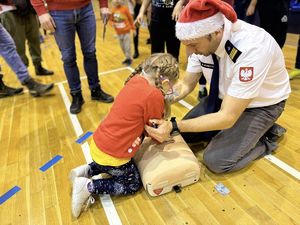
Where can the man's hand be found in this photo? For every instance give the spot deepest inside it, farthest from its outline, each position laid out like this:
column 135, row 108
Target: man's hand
column 105, row 14
column 162, row 132
column 47, row 22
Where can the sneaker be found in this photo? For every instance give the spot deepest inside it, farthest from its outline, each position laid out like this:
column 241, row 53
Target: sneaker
column 41, row 71
column 202, row 93
column 37, row 89
column 77, row 102
column 99, row 95
column 275, row 132
column 135, row 55
column 81, row 197
column 80, row 171
column 294, row 73
column 127, row 62
column 6, row 90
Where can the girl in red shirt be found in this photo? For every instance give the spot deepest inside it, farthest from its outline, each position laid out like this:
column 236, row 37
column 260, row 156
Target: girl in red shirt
column 117, row 139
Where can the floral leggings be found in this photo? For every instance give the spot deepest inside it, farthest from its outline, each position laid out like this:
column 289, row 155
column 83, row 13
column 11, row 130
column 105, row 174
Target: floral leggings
column 124, row 180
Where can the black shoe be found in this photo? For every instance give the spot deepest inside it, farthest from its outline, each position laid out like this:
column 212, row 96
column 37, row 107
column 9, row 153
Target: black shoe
column 135, row 55
column 41, row 71
column 37, row 89
column 99, row 95
column 275, row 132
column 202, row 93
column 127, row 62
column 77, row 102
column 6, row 90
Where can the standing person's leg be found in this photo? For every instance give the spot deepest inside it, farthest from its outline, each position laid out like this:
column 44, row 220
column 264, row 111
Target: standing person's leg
column 173, row 44
column 65, row 38
column 127, row 48
column 15, row 26
column 33, row 38
column 235, row 148
column 136, row 37
column 86, row 30
column 157, row 40
column 296, row 72
column 9, row 53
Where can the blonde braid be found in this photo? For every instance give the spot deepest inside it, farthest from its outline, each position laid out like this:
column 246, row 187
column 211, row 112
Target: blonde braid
column 136, row 71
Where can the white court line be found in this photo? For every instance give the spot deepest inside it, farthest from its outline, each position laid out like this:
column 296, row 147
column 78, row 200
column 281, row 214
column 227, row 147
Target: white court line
column 101, row 73
column 107, row 204
column 287, row 168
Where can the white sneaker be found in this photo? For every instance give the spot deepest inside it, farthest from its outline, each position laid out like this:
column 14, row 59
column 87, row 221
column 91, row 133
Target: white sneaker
column 80, row 171
column 81, row 196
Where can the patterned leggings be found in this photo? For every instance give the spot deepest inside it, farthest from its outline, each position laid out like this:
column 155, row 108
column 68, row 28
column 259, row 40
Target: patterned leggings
column 124, row 180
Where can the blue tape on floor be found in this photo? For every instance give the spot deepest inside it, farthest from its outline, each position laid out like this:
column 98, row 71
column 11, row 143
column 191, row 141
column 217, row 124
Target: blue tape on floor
column 84, row 137
column 9, row 194
column 50, row 163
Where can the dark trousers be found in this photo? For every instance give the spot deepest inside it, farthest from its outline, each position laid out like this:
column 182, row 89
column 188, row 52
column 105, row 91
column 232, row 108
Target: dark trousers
column 297, row 64
column 234, row 148
column 164, row 34
column 136, row 37
column 273, row 15
column 23, row 28
column 124, row 180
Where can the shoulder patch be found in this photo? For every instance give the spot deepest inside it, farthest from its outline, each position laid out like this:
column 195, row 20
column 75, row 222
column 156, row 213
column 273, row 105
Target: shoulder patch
column 232, row 51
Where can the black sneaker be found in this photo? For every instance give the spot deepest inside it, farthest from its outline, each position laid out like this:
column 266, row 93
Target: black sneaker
column 77, row 102
column 37, row 89
column 99, row 95
column 202, row 93
column 41, row 71
column 6, row 90
column 135, row 55
column 275, row 132
column 127, row 62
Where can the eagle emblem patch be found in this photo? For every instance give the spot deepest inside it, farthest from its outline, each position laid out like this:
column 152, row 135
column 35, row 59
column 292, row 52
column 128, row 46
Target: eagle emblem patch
column 246, row 74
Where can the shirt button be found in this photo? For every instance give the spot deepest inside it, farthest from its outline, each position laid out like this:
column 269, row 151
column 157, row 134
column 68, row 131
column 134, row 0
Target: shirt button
column 130, row 150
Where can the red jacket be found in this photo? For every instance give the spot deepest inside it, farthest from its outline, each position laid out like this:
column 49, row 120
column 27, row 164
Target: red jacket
column 41, row 9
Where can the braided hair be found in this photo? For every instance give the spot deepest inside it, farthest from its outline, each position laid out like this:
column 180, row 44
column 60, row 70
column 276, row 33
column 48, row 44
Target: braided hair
column 158, row 66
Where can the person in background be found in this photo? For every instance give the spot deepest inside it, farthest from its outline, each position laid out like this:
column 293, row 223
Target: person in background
column 9, row 53
column 296, row 71
column 122, row 21
column 22, row 24
column 66, row 18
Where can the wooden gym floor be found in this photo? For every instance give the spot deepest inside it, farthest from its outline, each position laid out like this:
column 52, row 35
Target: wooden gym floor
column 34, row 130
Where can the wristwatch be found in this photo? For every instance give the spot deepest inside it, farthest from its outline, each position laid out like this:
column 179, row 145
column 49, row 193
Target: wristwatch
column 175, row 128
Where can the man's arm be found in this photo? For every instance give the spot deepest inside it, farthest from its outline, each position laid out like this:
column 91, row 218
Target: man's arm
column 230, row 111
column 185, row 87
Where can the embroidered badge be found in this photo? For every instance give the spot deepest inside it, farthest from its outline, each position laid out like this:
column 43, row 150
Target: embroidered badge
column 246, row 74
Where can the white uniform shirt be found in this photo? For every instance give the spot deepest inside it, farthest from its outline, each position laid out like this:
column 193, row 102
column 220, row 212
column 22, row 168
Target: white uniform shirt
column 258, row 73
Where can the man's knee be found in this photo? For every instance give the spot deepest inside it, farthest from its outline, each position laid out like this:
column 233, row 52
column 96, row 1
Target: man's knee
column 216, row 163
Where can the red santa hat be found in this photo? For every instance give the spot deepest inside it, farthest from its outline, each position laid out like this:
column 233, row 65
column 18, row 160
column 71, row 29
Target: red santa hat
column 202, row 17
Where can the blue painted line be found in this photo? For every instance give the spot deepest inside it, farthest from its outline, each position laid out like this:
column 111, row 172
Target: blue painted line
column 50, row 163
column 84, row 137
column 9, row 194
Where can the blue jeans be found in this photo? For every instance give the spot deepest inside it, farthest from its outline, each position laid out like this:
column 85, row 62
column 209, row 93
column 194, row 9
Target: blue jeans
column 9, row 53
column 82, row 21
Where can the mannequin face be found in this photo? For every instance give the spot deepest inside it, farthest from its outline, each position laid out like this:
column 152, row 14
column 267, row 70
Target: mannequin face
column 204, row 45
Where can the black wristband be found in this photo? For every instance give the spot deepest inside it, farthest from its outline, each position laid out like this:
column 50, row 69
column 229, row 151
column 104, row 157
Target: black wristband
column 174, row 126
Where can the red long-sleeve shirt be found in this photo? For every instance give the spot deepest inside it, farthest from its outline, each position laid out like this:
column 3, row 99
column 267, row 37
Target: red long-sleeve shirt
column 41, row 9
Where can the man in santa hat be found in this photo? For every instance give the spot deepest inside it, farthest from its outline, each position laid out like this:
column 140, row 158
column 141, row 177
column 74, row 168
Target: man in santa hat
column 249, row 86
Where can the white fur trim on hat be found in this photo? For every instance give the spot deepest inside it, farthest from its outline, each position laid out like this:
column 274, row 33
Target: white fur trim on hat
column 199, row 28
